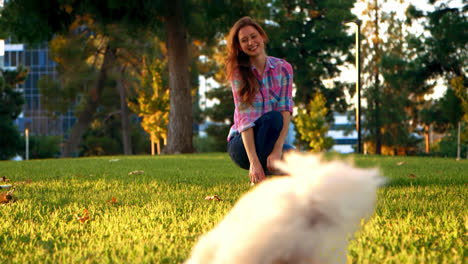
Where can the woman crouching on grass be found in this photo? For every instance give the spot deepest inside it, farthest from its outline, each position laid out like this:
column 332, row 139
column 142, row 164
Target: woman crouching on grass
column 262, row 90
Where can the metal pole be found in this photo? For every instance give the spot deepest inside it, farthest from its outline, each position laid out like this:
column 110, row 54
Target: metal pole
column 458, row 140
column 27, row 144
column 357, row 24
column 358, row 85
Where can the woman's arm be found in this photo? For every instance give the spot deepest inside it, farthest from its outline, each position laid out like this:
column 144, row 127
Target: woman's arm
column 278, row 148
column 256, row 172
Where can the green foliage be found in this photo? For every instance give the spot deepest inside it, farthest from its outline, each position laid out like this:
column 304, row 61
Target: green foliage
column 311, row 124
column 10, row 141
column 223, row 114
column 11, row 100
column 41, row 147
column 223, row 110
column 35, row 21
column 439, row 52
column 11, row 103
column 77, row 58
column 312, row 36
column 141, row 143
column 103, row 137
column 460, row 85
column 151, row 99
column 158, row 216
column 209, row 144
column 447, row 146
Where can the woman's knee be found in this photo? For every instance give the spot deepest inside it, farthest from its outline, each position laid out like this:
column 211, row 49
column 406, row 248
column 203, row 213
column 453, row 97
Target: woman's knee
column 276, row 120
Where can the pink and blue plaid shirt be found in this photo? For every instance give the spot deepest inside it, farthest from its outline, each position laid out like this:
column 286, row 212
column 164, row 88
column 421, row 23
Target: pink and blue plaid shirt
column 275, row 94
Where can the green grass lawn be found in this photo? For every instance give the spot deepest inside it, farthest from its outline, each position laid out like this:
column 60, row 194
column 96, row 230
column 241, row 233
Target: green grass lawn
column 156, row 217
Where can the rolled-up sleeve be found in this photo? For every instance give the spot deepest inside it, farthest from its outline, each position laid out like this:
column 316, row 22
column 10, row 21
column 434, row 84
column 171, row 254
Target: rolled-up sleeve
column 285, row 102
column 243, row 114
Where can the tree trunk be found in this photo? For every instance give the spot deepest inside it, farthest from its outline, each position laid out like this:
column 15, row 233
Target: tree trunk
column 180, row 128
column 127, row 141
column 86, row 116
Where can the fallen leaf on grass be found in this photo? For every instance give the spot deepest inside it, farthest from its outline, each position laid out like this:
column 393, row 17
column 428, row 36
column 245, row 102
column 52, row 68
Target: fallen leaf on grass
column 412, row 175
column 213, row 197
column 83, row 218
column 113, row 201
column 400, row 163
column 7, row 197
column 136, row 172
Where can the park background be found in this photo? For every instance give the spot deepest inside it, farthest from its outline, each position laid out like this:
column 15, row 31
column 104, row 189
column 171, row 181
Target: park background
column 100, row 77
column 90, row 78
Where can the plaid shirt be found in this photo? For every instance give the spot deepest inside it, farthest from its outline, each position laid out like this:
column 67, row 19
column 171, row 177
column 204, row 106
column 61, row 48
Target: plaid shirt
column 275, row 94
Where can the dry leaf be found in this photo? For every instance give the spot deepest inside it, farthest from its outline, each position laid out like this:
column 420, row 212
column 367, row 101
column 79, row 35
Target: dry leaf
column 213, row 197
column 400, row 163
column 412, row 175
column 113, row 201
column 83, row 218
column 5, row 198
column 136, row 172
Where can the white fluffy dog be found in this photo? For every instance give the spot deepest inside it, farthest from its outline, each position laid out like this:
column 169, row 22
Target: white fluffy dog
column 307, row 217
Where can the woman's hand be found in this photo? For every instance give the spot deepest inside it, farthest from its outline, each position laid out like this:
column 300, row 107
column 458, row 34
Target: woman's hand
column 256, row 172
column 274, row 156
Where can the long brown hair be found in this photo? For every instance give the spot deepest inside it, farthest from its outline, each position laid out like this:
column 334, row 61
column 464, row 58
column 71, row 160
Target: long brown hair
column 238, row 60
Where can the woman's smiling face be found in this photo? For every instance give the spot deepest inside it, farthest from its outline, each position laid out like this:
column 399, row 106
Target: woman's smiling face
column 251, row 42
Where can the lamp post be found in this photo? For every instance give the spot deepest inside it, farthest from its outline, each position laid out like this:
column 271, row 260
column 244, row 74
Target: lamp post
column 357, row 26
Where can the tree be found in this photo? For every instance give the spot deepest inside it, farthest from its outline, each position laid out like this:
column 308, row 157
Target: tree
column 179, row 22
column 222, row 111
column 312, row 36
column 403, row 90
column 311, row 124
column 84, row 65
column 11, row 102
column 372, row 56
column 152, row 102
column 442, row 52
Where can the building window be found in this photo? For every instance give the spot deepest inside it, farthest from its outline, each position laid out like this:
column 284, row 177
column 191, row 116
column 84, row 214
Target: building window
column 42, row 58
column 20, row 58
column 7, row 59
column 27, row 57
column 13, row 61
column 35, row 58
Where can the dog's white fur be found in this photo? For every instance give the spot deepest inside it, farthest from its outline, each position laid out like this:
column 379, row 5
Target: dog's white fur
column 307, row 217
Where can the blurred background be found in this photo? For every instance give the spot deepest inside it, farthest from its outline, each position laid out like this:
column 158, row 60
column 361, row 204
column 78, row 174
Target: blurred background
column 87, row 78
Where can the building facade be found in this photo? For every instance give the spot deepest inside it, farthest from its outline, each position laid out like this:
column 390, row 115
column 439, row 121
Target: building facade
column 34, row 118
column 344, row 133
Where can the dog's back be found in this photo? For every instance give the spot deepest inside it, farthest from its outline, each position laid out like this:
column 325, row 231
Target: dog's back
column 303, row 218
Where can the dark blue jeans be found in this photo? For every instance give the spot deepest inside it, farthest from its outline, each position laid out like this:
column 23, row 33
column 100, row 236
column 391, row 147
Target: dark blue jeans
column 266, row 131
